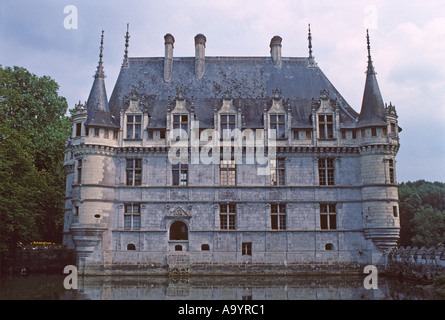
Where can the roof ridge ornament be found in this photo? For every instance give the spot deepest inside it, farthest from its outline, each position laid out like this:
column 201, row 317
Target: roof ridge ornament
column 371, row 69
column 100, row 69
column 127, row 39
column 311, row 59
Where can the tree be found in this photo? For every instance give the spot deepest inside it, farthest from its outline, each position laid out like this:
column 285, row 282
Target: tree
column 422, row 213
column 33, row 130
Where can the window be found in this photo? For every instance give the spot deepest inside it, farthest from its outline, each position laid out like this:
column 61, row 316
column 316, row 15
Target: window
column 134, row 125
column 343, row 134
column 132, row 217
column 354, row 134
column 205, row 247
column 393, row 127
column 277, row 122
column 78, row 129
column 106, row 134
column 227, row 216
column 278, row 216
column 134, row 172
column 391, row 171
column 308, row 134
column 329, row 246
column 179, row 231
column 247, row 248
column 374, row 132
column 180, row 126
column 228, row 124
column 395, row 211
column 115, row 134
column 79, row 171
column 180, row 174
column 227, row 173
column 296, row 134
column 363, row 133
column 131, row 246
column 326, row 172
column 325, row 126
column 384, row 132
column 328, row 216
column 96, row 132
column 277, row 172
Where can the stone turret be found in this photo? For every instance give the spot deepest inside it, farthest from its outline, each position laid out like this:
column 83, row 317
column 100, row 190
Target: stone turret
column 379, row 188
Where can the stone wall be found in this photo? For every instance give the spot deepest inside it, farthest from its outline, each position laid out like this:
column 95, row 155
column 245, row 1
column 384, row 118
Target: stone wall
column 415, row 263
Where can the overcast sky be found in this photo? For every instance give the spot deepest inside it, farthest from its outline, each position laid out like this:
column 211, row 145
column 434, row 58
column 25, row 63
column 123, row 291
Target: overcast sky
column 61, row 39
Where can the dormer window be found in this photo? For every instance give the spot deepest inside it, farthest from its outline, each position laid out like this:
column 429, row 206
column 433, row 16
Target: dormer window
column 227, row 124
column 325, row 126
column 180, row 125
column 134, row 126
column 278, row 123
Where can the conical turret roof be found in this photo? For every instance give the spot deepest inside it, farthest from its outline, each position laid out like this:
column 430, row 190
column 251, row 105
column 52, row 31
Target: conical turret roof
column 97, row 104
column 373, row 108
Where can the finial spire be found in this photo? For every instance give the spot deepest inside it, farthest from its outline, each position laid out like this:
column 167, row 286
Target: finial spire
column 100, row 69
column 310, row 40
column 127, row 38
column 370, row 65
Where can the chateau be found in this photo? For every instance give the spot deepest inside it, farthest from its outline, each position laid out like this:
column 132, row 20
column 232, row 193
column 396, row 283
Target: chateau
column 229, row 165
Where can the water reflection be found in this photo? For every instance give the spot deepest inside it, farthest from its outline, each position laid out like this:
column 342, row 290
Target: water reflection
column 212, row 288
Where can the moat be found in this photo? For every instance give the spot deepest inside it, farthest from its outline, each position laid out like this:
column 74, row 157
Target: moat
column 50, row 287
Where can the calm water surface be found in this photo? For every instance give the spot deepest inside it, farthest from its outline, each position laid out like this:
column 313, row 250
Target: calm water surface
column 50, row 287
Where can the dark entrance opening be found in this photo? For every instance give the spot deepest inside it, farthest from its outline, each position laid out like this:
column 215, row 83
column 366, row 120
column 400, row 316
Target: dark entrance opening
column 178, row 231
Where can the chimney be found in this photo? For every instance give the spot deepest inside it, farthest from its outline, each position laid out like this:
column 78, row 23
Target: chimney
column 168, row 60
column 200, row 44
column 275, row 50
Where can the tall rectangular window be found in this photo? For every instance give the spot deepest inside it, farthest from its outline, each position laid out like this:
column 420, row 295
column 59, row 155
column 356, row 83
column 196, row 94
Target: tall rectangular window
column 328, row 216
column 278, row 216
column 134, row 125
column 277, row 172
column 227, row 216
column 132, row 217
column 227, row 123
column 391, row 171
column 326, row 172
column 227, row 173
column 325, row 126
column 78, row 129
column 278, row 123
column 180, row 174
column 180, row 126
column 79, row 171
column 134, row 172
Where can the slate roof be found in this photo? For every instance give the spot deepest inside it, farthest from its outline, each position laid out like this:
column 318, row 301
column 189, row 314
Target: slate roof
column 249, row 80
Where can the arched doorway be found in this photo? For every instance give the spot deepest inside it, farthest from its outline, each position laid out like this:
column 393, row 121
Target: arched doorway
column 178, row 231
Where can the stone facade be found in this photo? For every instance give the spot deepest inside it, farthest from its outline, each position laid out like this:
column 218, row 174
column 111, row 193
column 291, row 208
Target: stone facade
column 328, row 202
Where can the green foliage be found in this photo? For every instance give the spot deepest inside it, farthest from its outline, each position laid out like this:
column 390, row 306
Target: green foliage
column 422, row 213
column 33, row 130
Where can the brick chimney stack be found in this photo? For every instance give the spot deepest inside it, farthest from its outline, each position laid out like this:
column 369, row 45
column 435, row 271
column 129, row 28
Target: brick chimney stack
column 275, row 50
column 168, row 60
column 200, row 44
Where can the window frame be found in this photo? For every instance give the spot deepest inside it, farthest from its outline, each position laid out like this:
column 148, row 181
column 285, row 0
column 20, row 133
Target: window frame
column 275, row 123
column 278, row 171
column 136, row 126
column 134, row 171
column 246, row 248
column 278, row 216
column 132, row 217
column 227, row 216
column 180, row 169
column 227, row 172
column 328, row 216
column 181, row 124
column 326, row 172
column 325, row 127
column 227, row 124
